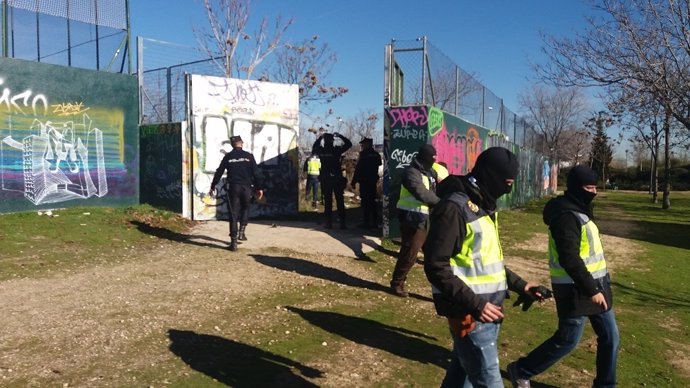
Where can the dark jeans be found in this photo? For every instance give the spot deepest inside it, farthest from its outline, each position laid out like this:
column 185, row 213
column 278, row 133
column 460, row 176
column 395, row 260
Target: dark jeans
column 370, row 214
column 239, row 198
column 412, row 240
column 566, row 339
column 313, row 187
column 333, row 186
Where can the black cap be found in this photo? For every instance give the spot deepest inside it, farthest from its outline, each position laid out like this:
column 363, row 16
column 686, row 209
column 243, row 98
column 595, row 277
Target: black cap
column 366, row 140
column 235, row 139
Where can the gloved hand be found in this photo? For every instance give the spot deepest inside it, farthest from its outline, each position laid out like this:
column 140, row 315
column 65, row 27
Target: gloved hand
column 533, row 294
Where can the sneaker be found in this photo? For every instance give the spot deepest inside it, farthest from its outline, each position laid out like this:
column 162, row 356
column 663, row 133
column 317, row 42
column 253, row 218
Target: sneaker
column 514, row 377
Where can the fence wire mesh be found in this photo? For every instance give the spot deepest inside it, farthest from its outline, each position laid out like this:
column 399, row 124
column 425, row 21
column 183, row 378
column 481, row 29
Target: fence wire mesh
column 423, row 74
column 90, row 34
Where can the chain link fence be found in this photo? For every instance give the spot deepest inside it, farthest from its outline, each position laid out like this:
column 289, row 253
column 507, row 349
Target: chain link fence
column 89, row 34
column 422, row 74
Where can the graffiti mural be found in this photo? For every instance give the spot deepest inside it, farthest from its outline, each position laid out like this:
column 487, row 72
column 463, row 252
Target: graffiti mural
column 67, row 137
column 266, row 116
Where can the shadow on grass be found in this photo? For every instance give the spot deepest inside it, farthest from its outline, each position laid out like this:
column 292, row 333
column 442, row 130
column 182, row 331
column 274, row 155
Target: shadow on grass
column 533, row 384
column 179, row 237
column 646, row 298
column 663, row 233
column 308, row 268
column 401, row 342
column 236, row 364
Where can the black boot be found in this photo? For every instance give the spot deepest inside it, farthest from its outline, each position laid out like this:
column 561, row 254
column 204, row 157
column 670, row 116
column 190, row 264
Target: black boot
column 233, row 244
column 243, row 236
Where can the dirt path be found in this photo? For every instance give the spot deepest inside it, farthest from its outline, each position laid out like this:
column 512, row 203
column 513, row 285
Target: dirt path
column 94, row 326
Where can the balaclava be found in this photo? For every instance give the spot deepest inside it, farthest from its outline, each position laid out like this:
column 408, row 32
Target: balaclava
column 425, row 155
column 328, row 140
column 581, row 176
column 492, row 168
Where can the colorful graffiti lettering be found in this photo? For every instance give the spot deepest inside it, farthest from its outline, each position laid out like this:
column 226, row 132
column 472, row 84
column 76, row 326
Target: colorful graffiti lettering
column 408, row 133
column 435, row 120
column 459, row 151
column 408, row 116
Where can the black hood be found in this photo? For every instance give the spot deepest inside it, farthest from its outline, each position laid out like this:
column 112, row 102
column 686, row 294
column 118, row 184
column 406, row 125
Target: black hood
column 563, row 204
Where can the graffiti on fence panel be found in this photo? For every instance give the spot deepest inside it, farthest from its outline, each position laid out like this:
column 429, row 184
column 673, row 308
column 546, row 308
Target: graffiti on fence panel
column 266, row 116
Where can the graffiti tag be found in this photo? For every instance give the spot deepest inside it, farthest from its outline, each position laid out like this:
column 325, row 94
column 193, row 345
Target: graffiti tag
column 11, row 101
column 408, row 133
column 68, row 109
column 402, row 157
column 403, row 117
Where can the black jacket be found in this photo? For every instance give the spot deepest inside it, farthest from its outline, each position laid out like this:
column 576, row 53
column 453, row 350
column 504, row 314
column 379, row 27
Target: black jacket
column 241, row 167
column 412, row 181
column 573, row 299
column 445, row 238
column 367, row 168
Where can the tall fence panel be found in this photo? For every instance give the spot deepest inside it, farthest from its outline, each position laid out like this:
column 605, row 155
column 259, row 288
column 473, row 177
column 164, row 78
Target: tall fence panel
column 67, row 137
column 161, row 153
column 458, row 143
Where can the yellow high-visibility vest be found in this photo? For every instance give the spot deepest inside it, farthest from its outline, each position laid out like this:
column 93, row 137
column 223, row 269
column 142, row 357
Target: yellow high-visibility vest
column 591, row 252
column 408, row 202
column 479, row 263
column 441, row 172
column 313, row 166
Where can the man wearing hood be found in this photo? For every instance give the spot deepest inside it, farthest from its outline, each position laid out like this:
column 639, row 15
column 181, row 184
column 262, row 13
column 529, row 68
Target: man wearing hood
column 416, row 198
column 463, row 261
column 581, row 285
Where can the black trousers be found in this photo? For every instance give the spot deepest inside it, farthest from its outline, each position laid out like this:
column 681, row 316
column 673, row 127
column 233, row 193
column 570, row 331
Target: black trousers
column 370, row 214
column 333, row 185
column 239, row 199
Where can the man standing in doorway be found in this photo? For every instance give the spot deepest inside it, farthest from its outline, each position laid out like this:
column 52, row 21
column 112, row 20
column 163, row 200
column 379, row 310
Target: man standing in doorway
column 331, row 174
column 313, row 168
column 243, row 176
column 367, row 175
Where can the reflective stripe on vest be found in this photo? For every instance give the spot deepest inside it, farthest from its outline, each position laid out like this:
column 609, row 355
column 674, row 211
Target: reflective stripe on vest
column 591, row 252
column 408, row 202
column 479, row 264
column 313, row 166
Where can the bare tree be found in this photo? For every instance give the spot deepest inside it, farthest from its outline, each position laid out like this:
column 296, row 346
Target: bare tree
column 642, row 45
column 307, row 64
column 575, row 145
column 552, row 112
column 227, row 31
column 361, row 125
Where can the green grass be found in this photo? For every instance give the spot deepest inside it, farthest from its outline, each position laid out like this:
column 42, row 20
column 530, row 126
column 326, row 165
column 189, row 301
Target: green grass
column 386, row 341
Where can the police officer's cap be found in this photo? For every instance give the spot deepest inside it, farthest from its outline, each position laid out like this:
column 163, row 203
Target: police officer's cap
column 235, row 139
column 367, row 140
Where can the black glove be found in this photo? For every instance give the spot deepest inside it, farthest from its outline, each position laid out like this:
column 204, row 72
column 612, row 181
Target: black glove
column 528, row 298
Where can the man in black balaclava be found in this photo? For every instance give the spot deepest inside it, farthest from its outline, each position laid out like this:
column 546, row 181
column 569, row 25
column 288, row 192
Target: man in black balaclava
column 417, row 196
column 463, row 261
column 581, row 284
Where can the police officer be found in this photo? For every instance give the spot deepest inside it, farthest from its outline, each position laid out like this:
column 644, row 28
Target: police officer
column 313, row 168
column 331, row 174
column 243, row 174
column 367, row 174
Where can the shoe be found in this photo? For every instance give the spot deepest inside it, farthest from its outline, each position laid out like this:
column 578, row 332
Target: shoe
column 233, row 245
column 514, row 377
column 242, row 236
column 399, row 291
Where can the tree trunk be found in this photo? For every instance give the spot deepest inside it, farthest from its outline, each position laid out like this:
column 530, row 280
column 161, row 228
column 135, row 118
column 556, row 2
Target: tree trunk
column 666, row 204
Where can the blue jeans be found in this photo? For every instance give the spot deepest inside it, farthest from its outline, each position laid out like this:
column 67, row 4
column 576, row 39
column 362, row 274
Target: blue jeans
column 566, row 338
column 313, row 187
column 475, row 361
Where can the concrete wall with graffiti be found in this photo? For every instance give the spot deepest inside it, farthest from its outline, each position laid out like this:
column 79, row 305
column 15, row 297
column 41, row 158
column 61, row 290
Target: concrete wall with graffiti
column 266, row 115
column 161, row 152
column 67, row 137
column 457, row 143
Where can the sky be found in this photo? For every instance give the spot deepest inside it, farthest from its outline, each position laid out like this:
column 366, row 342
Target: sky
column 494, row 39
